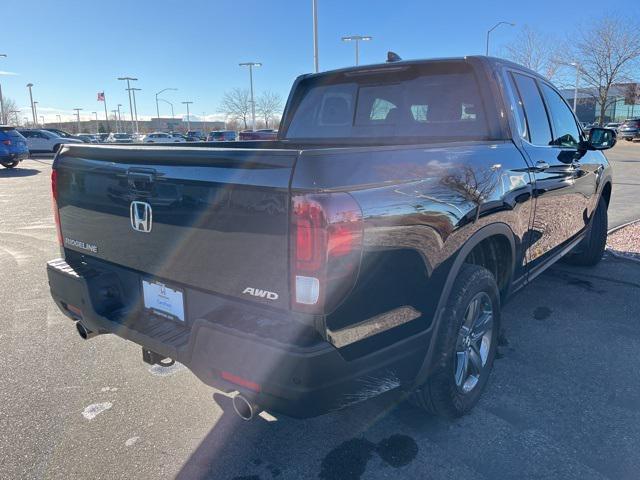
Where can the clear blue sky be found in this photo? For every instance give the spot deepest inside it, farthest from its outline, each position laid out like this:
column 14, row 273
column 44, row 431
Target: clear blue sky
column 71, row 49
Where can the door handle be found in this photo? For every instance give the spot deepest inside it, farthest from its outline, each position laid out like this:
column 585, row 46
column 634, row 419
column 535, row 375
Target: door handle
column 541, row 166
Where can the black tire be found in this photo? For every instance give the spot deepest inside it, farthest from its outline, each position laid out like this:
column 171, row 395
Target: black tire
column 441, row 394
column 589, row 252
column 10, row 164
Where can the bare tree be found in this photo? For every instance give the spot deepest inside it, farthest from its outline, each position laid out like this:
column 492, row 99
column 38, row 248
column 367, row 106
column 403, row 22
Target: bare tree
column 236, row 104
column 268, row 105
column 535, row 51
column 607, row 53
column 11, row 113
column 632, row 95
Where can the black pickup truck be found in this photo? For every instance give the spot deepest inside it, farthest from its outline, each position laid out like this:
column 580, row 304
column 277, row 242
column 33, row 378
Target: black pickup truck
column 368, row 249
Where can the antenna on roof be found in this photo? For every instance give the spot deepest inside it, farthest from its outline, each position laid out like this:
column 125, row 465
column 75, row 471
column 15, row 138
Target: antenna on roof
column 393, row 57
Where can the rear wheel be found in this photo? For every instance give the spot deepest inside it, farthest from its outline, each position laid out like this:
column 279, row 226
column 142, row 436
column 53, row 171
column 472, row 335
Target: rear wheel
column 589, row 252
column 12, row 164
column 466, row 345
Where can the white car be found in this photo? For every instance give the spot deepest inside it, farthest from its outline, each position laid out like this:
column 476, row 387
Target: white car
column 161, row 137
column 44, row 141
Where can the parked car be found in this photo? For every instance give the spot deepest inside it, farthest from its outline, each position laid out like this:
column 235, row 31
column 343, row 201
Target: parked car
column 119, row 138
column 87, row 137
column 264, row 134
column 45, row 141
column 630, row 129
column 13, row 147
column 222, row 136
column 613, row 126
column 369, row 249
column 196, row 136
column 62, row 133
column 162, row 137
column 102, row 137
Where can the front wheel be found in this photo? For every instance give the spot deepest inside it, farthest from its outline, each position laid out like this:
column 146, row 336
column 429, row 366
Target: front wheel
column 465, row 347
column 590, row 250
column 12, row 164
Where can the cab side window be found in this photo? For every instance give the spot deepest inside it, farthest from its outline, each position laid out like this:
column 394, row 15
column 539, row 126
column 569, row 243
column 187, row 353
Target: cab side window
column 538, row 129
column 565, row 128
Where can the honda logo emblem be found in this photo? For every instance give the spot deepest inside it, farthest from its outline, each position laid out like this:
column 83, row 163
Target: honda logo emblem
column 141, row 216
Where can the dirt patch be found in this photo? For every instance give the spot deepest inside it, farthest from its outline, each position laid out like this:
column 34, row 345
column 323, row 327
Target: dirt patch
column 626, row 241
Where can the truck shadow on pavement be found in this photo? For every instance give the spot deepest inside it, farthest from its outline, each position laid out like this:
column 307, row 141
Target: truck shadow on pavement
column 561, row 391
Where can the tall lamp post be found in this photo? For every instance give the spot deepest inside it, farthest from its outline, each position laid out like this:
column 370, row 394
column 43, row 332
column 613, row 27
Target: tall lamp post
column 59, row 118
column 3, row 118
column 135, row 107
column 170, row 104
column 158, row 93
column 575, row 91
column 77, row 110
column 35, row 111
column 188, row 119
column 33, row 108
column 128, row 80
column 115, row 115
column 492, row 29
column 357, row 39
column 253, row 103
column 315, row 35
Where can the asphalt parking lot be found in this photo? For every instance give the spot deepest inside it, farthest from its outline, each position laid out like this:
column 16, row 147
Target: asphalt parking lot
column 563, row 402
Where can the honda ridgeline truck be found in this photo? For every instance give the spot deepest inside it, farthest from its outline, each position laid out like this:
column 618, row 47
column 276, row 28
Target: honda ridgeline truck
column 368, row 249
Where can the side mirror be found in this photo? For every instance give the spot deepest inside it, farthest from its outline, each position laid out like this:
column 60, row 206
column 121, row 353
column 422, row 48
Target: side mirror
column 601, row 138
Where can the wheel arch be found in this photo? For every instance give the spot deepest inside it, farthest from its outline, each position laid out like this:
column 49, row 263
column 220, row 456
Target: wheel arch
column 497, row 230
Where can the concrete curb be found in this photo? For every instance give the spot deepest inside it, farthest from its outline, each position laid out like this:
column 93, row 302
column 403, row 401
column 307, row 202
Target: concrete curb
column 616, row 254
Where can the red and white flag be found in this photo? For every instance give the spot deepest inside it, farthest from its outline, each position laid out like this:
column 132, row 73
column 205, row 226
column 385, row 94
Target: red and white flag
column 101, row 96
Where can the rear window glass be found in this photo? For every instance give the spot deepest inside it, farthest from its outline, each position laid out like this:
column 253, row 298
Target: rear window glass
column 424, row 103
column 11, row 132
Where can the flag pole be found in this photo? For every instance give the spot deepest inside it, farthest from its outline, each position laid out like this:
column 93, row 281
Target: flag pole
column 106, row 115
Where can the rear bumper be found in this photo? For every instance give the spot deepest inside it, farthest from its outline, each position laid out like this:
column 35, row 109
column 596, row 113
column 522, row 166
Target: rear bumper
column 301, row 378
column 12, row 157
column 629, row 134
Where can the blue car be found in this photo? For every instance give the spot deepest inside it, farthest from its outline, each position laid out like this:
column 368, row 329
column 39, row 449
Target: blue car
column 13, row 147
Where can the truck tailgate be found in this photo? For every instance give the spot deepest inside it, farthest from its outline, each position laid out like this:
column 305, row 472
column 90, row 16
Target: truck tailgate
column 213, row 219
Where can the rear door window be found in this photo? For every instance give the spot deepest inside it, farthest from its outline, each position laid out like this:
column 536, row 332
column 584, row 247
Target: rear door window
column 538, row 128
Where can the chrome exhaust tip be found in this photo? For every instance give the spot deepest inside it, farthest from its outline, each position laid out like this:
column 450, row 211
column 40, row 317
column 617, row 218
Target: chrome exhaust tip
column 245, row 409
column 84, row 332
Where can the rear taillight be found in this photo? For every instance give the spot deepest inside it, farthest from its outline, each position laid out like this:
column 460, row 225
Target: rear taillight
column 6, row 142
column 326, row 248
column 54, row 197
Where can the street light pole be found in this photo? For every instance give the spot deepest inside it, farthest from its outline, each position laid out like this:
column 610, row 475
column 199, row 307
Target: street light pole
column 59, row 118
column 135, row 107
column 170, row 104
column 129, row 79
column 357, row 39
column 253, row 103
column 315, row 36
column 35, row 112
column 492, row 29
column 33, row 108
column 158, row 93
column 115, row 115
column 77, row 110
column 575, row 91
column 188, row 119
column 3, row 118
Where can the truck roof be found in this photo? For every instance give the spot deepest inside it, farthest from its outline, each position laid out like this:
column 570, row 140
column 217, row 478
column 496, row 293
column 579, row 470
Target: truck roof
column 492, row 61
